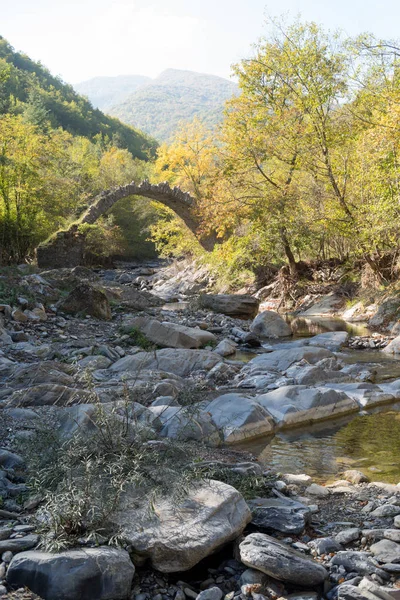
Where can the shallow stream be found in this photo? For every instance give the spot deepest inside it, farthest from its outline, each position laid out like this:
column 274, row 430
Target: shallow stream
column 370, row 441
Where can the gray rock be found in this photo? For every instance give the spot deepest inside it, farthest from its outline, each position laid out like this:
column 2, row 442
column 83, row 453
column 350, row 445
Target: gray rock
column 350, row 592
column 93, row 574
column 234, row 305
column 10, row 460
column 325, row 545
column 359, row 562
column 348, row 535
column 392, row 534
column 277, row 560
column 85, row 298
column 19, row 544
column 386, row 510
column 186, row 424
column 226, row 348
column 176, row 536
column 239, row 418
column 280, row 360
column 293, row 405
column 396, row 521
column 269, row 324
column 177, row 361
column 356, row 477
column 386, row 551
column 170, row 335
column 213, row 593
column 279, row 514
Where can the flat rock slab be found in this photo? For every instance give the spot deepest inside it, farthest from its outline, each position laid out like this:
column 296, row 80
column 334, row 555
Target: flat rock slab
column 278, row 560
column 92, row 574
column 19, row 544
column 295, row 405
column 281, row 360
column 177, row 361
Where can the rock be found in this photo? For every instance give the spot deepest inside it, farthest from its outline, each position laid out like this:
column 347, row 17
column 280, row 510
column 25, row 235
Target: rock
column 356, row 477
column 325, row 545
column 93, row 363
column 19, row 316
column 226, row 348
column 386, row 312
column 280, row 360
column 176, row 536
column 49, row 394
column 180, row 362
column 294, row 479
column 359, row 562
column 19, row 544
column 170, row 335
column 393, row 347
column 234, row 305
column 266, row 554
column 186, row 424
column 269, row 324
column 346, row 591
column 386, row 551
column 396, row 521
column 386, row 510
column 294, row 405
column 332, row 340
column 213, row 593
column 10, row 460
column 366, row 585
column 317, row 490
column 239, row 418
column 92, row 574
column 85, row 298
column 279, row 514
column 365, row 394
column 325, row 306
column 348, row 535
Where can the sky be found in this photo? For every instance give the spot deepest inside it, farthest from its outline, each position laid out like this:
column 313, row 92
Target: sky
column 81, row 39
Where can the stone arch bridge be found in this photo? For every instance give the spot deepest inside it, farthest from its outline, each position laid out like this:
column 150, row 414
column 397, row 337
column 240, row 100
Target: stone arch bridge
column 66, row 248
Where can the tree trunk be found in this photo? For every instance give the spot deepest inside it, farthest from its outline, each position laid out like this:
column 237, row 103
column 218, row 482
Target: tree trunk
column 289, row 253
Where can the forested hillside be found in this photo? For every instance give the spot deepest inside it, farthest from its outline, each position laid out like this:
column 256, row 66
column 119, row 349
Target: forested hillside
column 56, row 153
column 159, row 107
column 30, row 89
column 105, row 92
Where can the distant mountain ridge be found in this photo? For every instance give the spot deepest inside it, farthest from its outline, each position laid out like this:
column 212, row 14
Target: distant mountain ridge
column 158, row 106
column 25, row 83
column 105, row 92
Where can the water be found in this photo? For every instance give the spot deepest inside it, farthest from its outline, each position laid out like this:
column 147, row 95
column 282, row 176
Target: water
column 367, row 442
column 309, row 326
column 370, row 442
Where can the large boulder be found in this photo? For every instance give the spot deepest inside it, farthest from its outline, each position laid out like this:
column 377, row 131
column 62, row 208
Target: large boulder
column 85, row 298
column 170, row 335
column 92, row 574
column 294, row 405
column 269, row 324
column 239, row 418
column 266, row 554
column 233, row 305
column 180, row 362
column 175, row 536
column 186, row 424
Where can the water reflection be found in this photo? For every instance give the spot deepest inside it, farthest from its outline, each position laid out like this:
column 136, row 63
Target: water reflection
column 370, row 442
column 309, row 326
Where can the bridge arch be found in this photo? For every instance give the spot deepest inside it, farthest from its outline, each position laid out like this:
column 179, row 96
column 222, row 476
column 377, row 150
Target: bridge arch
column 66, row 248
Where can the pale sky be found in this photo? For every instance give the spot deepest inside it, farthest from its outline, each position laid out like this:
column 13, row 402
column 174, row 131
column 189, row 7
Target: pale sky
column 80, row 39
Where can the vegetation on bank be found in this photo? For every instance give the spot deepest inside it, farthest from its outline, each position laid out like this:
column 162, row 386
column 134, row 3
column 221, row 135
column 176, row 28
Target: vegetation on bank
column 304, row 166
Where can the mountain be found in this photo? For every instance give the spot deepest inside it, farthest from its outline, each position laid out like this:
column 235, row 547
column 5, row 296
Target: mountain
column 105, row 92
column 27, row 86
column 158, row 106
